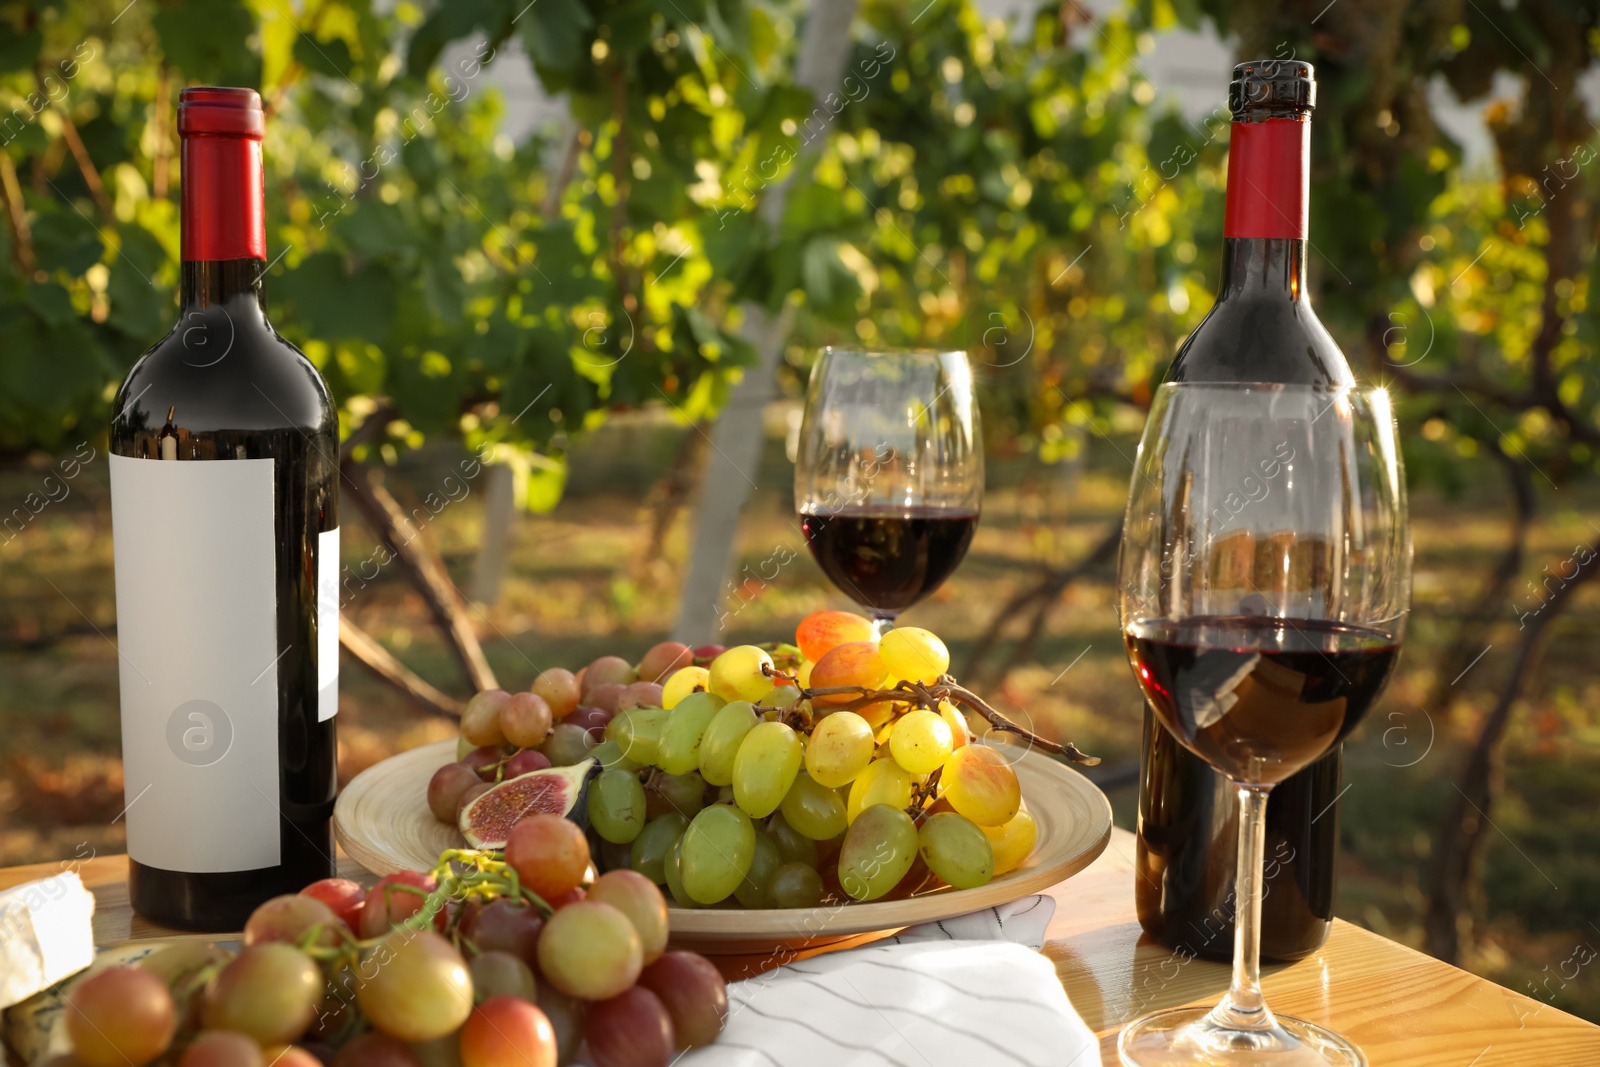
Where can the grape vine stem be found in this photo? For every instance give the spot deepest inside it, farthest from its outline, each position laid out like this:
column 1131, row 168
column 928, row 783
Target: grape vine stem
column 929, row 696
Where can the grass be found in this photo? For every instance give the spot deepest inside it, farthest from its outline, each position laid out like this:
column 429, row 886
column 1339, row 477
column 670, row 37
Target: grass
column 581, row 585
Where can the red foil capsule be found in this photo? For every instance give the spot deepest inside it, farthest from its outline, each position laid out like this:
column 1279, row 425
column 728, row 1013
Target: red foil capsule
column 1268, row 168
column 223, row 213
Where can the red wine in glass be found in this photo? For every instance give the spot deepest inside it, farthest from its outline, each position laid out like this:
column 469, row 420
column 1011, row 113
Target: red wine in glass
column 888, row 477
column 1258, row 698
column 887, row 561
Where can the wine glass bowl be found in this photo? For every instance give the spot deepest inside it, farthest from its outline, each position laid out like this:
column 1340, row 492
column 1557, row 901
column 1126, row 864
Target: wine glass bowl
column 1264, row 581
column 889, row 473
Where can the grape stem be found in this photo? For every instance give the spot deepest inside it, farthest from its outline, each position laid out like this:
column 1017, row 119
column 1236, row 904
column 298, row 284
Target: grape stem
column 947, row 688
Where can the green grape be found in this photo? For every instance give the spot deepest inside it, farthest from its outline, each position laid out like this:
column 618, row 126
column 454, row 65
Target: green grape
column 911, row 654
column 616, row 805
column 793, row 846
column 752, row 891
column 720, row 743
column 814, row 810
column 682, row 793
column 672, row 869
column 678, row 751
column 883, row 782
column 783, row 697
column 649, row 850
column 921, row 741
column 269, row 991
column 840, row 749
column 639, row 733
column 609, row 754
column 795, row 885
column 879, row 848
column 715, row 852
column 765, row 768
column 956, row 849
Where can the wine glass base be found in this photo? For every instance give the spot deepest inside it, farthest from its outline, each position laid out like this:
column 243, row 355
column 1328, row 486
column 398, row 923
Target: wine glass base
column 1189, row 1037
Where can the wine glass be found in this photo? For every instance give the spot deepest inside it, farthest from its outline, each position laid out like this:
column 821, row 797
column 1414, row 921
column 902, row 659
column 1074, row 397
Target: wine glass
column 889, row 477
column 1265, row 577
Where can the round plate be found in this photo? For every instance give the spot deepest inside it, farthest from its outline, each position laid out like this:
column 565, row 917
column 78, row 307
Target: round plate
column 383, row 823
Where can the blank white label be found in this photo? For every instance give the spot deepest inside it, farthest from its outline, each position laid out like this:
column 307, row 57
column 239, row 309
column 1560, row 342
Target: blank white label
column 196, row 644
column 327, row 624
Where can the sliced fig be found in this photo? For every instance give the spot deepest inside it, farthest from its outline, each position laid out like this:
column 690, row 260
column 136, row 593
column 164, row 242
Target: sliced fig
column 487, row 821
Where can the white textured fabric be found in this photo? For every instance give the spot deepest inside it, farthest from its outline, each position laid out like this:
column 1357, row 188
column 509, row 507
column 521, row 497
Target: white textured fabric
column 931, row 997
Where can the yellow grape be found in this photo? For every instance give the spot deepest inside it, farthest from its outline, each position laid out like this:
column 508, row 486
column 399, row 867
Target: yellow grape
column 840, row 749
column 737, row 674
column 768, row 761
column 883, row 782
column 1012, row 842
column 921, row 741
column 912, row 654
column 960, row 730
column 683, row 682
column 980, row 783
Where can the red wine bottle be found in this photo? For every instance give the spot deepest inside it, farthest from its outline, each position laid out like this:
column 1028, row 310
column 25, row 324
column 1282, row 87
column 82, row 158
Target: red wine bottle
column 224, row 504
column 1262, row 329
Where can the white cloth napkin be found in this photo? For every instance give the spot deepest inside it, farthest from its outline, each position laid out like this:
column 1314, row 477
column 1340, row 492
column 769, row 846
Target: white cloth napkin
column 946, row 994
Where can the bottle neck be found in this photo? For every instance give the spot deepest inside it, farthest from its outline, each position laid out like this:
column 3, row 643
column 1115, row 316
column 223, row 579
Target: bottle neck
column 1263, row 267
column 1268, row 200
column 210, row 283
column 224, row 217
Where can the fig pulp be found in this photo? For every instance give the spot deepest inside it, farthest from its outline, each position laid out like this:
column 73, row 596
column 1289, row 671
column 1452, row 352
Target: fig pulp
column 487, row 821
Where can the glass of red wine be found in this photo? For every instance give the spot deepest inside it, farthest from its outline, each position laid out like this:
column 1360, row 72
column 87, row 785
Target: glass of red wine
column 1265, row 578
column 888, row 482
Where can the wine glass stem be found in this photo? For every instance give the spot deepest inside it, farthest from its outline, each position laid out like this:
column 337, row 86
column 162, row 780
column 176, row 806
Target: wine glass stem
column 1244, row 1008
column 881, row 624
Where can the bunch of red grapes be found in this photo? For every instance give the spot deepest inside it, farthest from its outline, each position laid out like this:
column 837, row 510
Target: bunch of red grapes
column 511, row 964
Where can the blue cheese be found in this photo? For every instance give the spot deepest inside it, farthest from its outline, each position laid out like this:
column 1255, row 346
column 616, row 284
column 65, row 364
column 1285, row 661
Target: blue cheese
column 46, row 934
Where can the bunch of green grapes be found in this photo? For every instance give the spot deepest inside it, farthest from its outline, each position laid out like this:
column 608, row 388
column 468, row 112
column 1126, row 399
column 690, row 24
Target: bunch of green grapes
column 771, row 789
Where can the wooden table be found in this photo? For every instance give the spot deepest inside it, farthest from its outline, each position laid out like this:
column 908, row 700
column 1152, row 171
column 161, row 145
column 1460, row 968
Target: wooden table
column 1402, row 1007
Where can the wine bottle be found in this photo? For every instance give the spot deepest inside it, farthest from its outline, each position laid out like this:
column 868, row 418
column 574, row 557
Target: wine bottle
column 1262, row 329
column 224, row 504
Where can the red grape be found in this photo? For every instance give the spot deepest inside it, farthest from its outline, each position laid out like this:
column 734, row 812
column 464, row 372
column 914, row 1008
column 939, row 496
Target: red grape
column 662, row 660
column 559, row 688
column 445, row 789
column 221, row 1048
column 694, row 993
column 638, row 898
column 549, row 853
column 287, row 917
column 480, row 722
column 590, row 950
column 292, row 1056
column 566, row 1015
column 496, row 973
column 482, row 759
column 607, row 670
column 526, row 719
column 342, row 895
column 525, row 762
column 269, row 992
column 120, row 1017
column 387, row 906
column 632, row 1029
column 591, row 718
column 503, row 926
column 640, row 695
column 571, row 896
column 507, row 1031
column 414, row 986
column 706, row 653
column 374, row 1049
